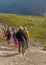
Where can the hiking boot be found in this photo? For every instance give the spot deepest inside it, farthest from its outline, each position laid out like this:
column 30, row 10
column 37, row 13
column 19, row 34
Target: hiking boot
column 25, row 52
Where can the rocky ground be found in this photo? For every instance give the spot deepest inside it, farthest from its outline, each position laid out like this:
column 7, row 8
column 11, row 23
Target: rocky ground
column 33, row 56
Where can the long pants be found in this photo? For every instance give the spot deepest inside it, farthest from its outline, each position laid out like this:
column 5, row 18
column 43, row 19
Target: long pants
column 21, row 47
column 26, row 43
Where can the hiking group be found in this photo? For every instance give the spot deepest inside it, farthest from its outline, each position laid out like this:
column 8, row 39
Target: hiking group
column 20, row 37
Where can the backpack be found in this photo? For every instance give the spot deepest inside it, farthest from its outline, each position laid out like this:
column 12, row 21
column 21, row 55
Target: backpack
column 5, row 33
column 27, row 33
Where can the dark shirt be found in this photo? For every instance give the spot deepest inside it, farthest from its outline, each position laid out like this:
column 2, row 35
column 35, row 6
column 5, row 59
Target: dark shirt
column 21, row 35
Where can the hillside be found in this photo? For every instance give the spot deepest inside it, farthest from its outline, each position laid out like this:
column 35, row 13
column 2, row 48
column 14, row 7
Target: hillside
column 35, row 24
column 33, row 7
column 36, row 53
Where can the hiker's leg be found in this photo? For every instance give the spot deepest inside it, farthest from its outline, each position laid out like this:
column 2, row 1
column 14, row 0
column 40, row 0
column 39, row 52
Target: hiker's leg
column 23, row 50
column 9, row 41
column 19, row 47
column 16, row 44
column 26, row 43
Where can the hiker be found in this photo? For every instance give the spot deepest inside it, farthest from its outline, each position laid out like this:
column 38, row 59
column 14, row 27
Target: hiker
column 8, row 34
column 21, row 37
column 27, row 36
column 15, row 38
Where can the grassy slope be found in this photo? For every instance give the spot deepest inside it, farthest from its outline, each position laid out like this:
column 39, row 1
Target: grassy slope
column 35, row 24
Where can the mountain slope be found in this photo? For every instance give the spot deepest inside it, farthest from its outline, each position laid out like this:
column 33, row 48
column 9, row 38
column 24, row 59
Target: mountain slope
column 36, row 24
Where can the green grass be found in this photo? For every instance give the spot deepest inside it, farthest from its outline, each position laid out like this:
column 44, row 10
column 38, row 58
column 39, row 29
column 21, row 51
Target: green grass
column 44, row 47
column 1, row 40
column 35, row 24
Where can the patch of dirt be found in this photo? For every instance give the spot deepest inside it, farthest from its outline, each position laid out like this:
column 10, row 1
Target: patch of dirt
column 33, row 56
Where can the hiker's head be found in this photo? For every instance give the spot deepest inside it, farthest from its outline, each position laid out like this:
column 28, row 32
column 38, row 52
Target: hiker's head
column 14, row 31
column 8, row 27
column 20, row 27
column 25, row 28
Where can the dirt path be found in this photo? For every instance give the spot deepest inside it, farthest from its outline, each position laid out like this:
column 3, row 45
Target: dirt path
column 10, row 56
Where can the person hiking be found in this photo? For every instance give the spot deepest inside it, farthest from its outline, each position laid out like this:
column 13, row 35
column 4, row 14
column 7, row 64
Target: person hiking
column 8, row 35
column 21, row 38
column 27, row 36
column 15, row 38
